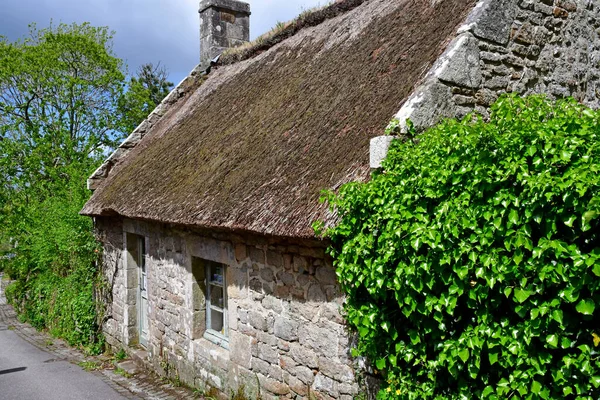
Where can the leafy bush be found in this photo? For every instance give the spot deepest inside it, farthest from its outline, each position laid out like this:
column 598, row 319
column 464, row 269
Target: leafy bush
column 55, row 267
column 471, row 263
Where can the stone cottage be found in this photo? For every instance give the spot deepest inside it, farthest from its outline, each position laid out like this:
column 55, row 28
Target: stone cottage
column 205, row 210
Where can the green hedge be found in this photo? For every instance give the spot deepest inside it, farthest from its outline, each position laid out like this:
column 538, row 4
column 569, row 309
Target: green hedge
column 471, row 264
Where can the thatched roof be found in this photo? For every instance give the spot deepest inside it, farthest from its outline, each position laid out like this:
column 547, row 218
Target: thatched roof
column 253, row 147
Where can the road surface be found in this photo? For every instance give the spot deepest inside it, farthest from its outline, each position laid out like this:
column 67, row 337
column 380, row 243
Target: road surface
column 28, row 373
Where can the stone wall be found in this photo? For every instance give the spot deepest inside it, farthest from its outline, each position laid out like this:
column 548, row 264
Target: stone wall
column 286, row 333
column 523, row 46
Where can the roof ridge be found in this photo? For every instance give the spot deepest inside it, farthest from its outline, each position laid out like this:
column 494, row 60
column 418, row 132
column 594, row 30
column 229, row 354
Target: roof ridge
column 289, row 29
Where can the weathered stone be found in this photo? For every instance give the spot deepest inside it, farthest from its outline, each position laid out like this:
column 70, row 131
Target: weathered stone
column 260, row 366
column 347, row 388
column 273, row 386
column 257, row 320
column 256, row 285
column 272, row 303
column 315, row 294
column 326, row 275
column 319, row 339
column 237, row 280
column 459, row 65
column 378, row 149
column 327, row 385
column 297, row 386
column 240, row 252
column 560, row 12
column 281, row 292
column 287, row 261
column 312, row 252
column 242, row 315
column 298, row 294
column 304, row 280
column 568, row 5
column 275, row 259
column 331, row 312
column 337, row 371
column 283, row 345
column 268, row 353
column 306, row 310
column 256, row 254
column 497, row 82
column 427, row 105
column 286, row 278
column 493, row 19
column 303, row 355
column 266, row 274
column 286, row 363
column 266, row 338
column 212, row 250
column 491, row 57
column 286, row 329
column 303, row 373
column 240, row 349
column 300, row 264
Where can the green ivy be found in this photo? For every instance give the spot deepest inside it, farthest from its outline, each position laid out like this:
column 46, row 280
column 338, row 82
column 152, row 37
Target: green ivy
column 471, row 264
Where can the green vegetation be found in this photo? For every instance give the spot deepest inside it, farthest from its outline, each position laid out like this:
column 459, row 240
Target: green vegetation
column 90, row 365
column 60, row 91
column 145, row 92
column 120, row 355
column 471, row 264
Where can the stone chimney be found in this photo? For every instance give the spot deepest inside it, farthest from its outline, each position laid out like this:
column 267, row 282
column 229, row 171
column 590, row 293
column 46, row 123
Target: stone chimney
column 223, row 24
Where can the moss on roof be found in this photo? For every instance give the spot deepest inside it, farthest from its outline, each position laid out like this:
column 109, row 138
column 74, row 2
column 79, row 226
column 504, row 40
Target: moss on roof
column 254, row 146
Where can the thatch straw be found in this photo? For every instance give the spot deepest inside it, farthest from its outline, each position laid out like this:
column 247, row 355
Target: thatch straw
column 254, row 146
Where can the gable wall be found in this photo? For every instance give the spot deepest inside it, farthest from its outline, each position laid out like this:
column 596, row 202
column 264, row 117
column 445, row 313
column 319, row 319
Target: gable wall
column 523, row 46
column 285, row 327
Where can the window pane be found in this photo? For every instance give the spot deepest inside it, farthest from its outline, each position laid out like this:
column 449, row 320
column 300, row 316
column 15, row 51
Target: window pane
column 216, row 296
column 216, row 321
column 142, row 253
column 216, row 274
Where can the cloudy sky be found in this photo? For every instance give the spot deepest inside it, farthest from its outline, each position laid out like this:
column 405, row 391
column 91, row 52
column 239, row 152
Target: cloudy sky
column 164, row 31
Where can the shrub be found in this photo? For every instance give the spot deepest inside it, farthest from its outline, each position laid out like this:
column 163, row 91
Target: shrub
column 471, row 262
column 55, row 267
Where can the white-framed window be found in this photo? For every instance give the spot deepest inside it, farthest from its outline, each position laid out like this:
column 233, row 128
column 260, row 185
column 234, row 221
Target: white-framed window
column 216, row 304
column 210, row 301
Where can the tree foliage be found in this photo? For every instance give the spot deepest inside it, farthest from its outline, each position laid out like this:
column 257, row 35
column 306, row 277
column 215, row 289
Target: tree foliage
column 145, row 92
column 61, row 91
column 471, row 264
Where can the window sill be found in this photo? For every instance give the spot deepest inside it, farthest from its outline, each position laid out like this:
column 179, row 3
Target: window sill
column 216, row 338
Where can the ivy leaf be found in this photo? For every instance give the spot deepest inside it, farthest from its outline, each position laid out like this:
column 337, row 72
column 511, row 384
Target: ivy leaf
column 464, row 355
column 513, row 217
column 552, row 340
column 557, row 315
column 522, row 295
column 380, row 364
column 586, row 307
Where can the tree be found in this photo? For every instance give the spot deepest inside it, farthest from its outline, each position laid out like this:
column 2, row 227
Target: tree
column 59, row 95
column 145, row 92
column 58, row 103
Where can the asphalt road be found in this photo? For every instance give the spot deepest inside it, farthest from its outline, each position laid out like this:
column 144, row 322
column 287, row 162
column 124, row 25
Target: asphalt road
column 28, row 373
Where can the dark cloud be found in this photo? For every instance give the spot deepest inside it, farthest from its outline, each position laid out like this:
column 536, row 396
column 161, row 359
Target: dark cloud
column 164, row 31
